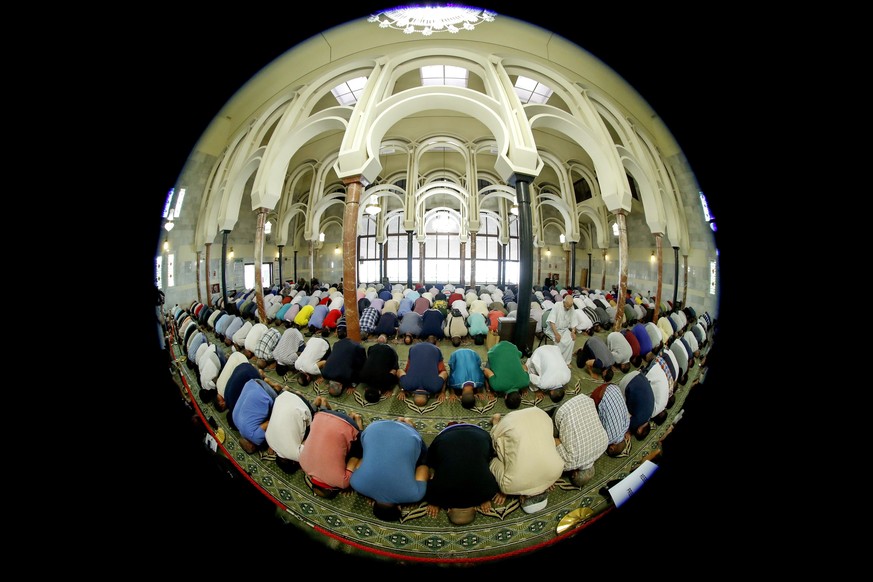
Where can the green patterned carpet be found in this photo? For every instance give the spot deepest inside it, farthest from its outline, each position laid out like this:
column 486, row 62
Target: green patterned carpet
column 346, row 522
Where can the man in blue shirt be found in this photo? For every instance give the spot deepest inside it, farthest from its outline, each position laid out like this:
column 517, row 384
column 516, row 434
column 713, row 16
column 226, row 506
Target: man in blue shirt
column 466, row 377
column 392, row 469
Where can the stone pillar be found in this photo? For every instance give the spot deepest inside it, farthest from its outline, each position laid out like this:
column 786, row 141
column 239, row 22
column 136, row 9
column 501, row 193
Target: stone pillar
column 295, row 265
column 281, row 260
column 588, row 280
column 421, row 263
column 603, row 280
column 259, row 260
column 539, row 263
column 621, row 220
column 311, row 259
column 354, row 189
column 567, row 269
column 473, row 259
column 382, row 264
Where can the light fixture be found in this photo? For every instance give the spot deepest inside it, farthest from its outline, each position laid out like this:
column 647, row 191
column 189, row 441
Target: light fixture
column 321, row 237
column 514, row 209
column 230, row 254
column 652, row 258
column 563, row 238
column 336, row 251
column 430, row 19
column 372, row 208
column 169, row 224
column 166, row 244
column 548, row 252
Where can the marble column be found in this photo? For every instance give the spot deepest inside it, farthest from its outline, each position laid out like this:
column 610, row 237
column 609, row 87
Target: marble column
column 259, row 260
column 224, row 234
column 525, row 274
column 421, row 258
column 311, row 260
column 208, row 284
column 621, row 220
column 473, row 259
column 685, row 284
column 354, row 189
column 463, row 255
column 659, row 245
column 197, row 278
column 603, row 280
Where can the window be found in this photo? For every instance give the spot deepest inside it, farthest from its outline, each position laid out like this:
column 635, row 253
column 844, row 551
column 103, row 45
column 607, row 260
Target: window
column 349, row 92
column 159, row 271
column 266, row 275
column 444, row 75
column 170, row 260
column 530, row 91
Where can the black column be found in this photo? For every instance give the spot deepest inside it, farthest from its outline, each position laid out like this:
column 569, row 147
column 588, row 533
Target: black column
column 675, row 274
column 295, row 265
column 224, row 234
column 409, row 259
column 588, row 282
column 573, row 266
column 525, row 271
column 281, row 281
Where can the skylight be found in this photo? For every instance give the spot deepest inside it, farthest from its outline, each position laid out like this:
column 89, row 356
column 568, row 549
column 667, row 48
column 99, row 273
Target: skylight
column 444, row 75
column 349, row 92
column 530, row 91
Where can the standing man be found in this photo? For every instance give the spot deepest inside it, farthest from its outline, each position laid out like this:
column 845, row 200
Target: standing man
column 561, row 327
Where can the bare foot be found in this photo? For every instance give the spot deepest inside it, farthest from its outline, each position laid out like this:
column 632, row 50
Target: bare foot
column 495, row 418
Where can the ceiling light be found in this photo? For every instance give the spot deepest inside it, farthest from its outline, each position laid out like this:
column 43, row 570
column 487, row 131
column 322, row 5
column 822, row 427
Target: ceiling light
column 372, row 209
column 563, row 238
column 430, row 19
column 514, row 209
column 169, row 225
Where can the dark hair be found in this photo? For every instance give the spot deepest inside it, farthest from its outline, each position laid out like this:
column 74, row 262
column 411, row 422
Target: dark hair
column 323, row 492
column 281, row 369
column 386, row 511
column 325, row 332
column 304, row 379
column 287, row 465
column 557, row 394
column 479, row 339
column 207, row 395
column 607, row 374
column 456, row 341
column 468, row 400
column 512, row 399
column 642, row 431
column 372, row 395
column 342, row 332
